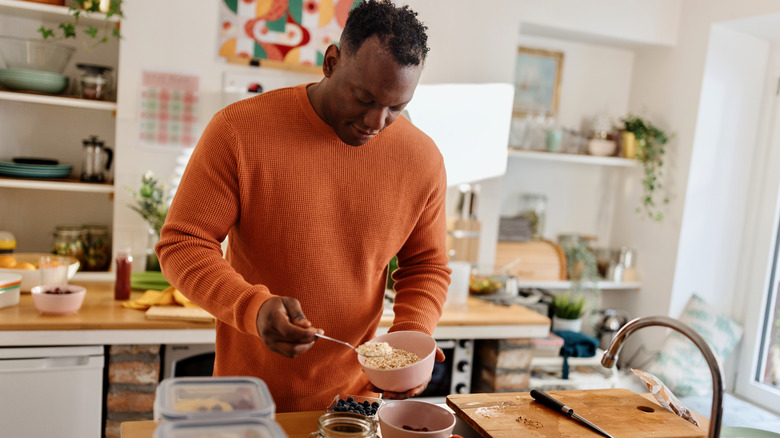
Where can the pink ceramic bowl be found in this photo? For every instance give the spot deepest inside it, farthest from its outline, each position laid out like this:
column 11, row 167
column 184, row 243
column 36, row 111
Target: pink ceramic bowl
column 406, row 418
column 408, row 377
column 58, row 303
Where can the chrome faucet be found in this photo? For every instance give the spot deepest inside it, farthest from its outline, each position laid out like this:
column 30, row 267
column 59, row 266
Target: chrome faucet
column 611, row 355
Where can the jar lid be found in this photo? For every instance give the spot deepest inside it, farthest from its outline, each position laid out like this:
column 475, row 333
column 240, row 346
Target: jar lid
column 94, row 68
column 7, row 240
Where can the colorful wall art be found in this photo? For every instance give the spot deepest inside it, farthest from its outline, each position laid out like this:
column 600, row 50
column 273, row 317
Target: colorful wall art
column 285, row 33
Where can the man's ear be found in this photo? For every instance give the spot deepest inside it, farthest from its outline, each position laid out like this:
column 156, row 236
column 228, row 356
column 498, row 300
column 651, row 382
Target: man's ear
column 330, row 60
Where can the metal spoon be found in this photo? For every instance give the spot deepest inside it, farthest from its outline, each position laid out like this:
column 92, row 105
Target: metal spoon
column 348, row 345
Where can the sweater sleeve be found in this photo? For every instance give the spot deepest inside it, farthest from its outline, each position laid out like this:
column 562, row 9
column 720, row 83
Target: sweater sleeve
column 204, row 209
column 422, row 277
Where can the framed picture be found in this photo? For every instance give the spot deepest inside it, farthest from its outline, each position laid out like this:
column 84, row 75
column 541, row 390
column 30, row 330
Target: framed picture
column 537, row 81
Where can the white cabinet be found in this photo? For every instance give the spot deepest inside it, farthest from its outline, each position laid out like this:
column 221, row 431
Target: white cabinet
column 49, row 126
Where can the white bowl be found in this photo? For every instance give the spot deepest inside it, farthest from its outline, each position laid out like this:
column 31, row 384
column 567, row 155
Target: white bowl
column 410, row 376
column 32, row 277
column 9, row 289
column 406, row 418
column 58, row 303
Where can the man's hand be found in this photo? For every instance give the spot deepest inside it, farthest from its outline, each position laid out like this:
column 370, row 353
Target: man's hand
column 284, row 328
column 412, row 392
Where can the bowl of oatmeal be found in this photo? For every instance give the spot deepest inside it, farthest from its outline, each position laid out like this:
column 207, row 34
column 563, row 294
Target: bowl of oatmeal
column 408, row 366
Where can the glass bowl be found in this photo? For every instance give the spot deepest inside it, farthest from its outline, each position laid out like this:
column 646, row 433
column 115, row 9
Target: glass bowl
column 30, row 54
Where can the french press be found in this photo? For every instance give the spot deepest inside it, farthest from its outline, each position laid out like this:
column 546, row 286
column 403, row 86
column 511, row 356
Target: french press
column 96, row 160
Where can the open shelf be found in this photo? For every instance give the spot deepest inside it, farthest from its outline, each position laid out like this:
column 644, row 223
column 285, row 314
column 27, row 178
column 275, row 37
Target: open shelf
column 45, row 11
column 573, row 158
column 67, row 185
column 561, row 285
column 47, row 99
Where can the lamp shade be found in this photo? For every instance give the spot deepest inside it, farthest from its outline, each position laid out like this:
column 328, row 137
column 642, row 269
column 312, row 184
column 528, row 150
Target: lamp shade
column 470, row 124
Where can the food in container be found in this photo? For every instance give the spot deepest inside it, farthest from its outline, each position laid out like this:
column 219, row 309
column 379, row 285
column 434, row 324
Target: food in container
column 10, row 285
column 242, row 427
column 355, row 403
column 26, row 265
column 413, row 419
column 58, row 299
column 406, row 377
column 181, row 398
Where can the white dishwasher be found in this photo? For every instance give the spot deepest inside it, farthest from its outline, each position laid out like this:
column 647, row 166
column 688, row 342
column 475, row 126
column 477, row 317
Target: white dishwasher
column 51, row 391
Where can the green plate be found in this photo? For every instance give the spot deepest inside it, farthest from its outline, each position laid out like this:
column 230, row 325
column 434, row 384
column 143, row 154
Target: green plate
column 746, row 432
column 30, row 80
column 148, row 280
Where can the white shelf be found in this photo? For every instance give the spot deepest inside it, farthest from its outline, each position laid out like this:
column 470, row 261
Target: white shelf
column 46, row 99
column 561, row 285
column 573, row 158
column 59, row 185
column 44, row 11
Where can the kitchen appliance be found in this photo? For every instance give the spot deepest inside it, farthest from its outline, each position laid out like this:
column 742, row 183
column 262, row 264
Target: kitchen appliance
column 608, row 327
column 51, row 391
column 96, row 160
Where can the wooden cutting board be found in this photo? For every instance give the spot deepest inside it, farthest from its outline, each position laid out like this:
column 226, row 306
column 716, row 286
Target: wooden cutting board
column 537, row 260
column 179, row 313
column 620, row 412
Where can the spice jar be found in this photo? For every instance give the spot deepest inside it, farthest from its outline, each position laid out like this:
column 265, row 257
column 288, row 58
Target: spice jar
column 94, row 82
column 97, row 248
column 68, row 242
column 7, row 242
column 344, row 425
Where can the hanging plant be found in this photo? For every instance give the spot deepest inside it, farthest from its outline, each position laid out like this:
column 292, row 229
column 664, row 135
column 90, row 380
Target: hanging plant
column 93, row 35
column 651, row 148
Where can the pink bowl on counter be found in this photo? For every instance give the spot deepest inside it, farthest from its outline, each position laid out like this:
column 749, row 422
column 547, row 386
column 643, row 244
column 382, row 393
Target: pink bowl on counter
column 410, row 376
column 407, row 418
column 58, row 303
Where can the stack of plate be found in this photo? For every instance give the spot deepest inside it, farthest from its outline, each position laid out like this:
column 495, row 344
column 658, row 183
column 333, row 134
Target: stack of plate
column 32, row 80
column 9, row 168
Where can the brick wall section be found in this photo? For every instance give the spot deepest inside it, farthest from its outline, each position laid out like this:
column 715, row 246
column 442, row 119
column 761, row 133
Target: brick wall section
column 133, row 375
column 502, row 365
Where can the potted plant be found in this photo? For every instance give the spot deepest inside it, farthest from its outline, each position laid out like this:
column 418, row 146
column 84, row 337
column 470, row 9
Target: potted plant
column 84, row 8
column 649, row 150
column 568, row 310
column 152, row 204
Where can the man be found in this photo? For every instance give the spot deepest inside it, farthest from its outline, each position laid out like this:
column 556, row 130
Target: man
column 317, row 187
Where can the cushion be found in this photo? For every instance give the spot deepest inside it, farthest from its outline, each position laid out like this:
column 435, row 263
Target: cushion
column 680, row 364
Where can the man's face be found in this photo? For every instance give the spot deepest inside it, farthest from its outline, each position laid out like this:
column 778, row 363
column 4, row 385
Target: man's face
column 367, row 90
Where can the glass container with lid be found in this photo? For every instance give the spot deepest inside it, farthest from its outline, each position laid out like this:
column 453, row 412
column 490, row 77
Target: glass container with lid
column 94, row 82
column 97, row 248
column 181, row 398
column 220, row 428
column 69, row 241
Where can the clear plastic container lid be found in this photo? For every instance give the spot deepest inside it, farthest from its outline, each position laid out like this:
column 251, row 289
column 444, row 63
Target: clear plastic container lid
column 220, row 428
column 213, row 397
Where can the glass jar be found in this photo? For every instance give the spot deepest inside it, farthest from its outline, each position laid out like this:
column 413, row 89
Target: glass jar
column 97, row 248
column 344, row 425
column 533, row 208
column 69, row 242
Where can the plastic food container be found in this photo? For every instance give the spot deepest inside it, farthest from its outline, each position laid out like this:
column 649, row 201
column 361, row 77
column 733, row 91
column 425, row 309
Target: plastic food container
column 10, row 286
column 181, row 398
column 220, row 428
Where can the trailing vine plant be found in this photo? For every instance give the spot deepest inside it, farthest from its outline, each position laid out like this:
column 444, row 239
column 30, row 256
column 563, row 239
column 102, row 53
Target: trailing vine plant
column 651, row 148
column 95, row 36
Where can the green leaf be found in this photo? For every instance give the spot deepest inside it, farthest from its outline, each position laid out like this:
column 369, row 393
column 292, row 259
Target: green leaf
column 45, row 32
column 91, row 31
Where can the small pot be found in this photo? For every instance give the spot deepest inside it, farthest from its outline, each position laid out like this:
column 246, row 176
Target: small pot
column 572, row 325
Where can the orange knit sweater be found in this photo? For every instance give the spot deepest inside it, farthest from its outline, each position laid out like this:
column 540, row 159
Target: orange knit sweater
column 310, row 217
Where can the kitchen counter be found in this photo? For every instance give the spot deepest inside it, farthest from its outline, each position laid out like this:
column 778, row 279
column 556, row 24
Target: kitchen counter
column 104, row 321
column 301, row 424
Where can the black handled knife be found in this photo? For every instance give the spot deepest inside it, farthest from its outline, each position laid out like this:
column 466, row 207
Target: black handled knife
column 543, row 398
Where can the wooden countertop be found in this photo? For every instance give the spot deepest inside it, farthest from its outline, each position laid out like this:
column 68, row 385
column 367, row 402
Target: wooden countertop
column 101, row 313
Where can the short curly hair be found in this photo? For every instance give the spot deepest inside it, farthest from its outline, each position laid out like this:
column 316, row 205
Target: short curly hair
column 398, row 29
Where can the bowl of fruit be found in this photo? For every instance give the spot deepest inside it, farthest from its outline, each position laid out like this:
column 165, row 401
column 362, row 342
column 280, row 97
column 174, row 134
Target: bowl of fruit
column 26, row 265
column 58, row 299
